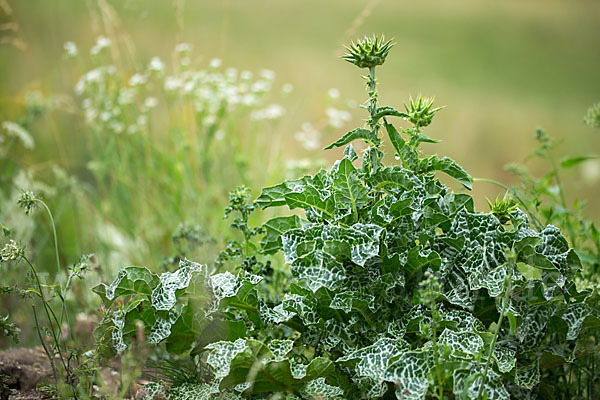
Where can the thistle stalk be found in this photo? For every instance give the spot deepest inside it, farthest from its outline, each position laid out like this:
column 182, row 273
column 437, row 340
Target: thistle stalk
column 372, row 106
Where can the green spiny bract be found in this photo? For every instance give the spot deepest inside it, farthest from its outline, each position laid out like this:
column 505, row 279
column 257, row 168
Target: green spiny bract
column 399, row 288
column 368, row 52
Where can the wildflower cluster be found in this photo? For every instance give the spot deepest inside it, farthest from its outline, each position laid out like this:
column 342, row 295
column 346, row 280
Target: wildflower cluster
column 11, row 252
column 125, row 107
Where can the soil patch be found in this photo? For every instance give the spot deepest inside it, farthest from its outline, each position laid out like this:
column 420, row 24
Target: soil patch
column 25, row 368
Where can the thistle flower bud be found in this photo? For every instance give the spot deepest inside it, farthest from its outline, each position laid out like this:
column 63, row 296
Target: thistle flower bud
column 369, row 52
column 420, row 111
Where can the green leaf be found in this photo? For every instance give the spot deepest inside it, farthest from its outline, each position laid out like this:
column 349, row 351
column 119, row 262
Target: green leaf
column 274, row 196
column 359, row 133
column 571, row 162
column 256, row 364
column 388, row 111
column 395, row 138
column 394, row 179
column 130, row 281
column 164, row 295
column 449, row 167
column 372, row 361
column 349, row 192
column 410, row 374
column 307, row 197
column 350, row 153
column 274, row 228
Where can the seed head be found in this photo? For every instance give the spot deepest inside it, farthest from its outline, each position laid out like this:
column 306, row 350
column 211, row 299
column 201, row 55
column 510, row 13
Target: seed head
column 369, row 52
column 27, row 201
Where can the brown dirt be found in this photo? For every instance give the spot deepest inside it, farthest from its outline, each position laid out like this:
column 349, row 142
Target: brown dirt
column 25, row 368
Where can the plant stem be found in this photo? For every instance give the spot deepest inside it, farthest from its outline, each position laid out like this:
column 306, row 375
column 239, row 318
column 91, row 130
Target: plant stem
column 435, row 354
column 54, row 232
column 62, row 292
column 511, row 266
column 561, row 193
column 372, row 84
column 49, row 311
column 50, row 356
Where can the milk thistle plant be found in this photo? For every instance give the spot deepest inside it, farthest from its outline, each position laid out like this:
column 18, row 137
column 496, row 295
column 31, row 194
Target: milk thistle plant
column 399, row 288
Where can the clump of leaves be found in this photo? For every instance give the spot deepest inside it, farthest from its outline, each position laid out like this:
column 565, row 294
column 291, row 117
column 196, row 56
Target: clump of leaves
column 399, row 288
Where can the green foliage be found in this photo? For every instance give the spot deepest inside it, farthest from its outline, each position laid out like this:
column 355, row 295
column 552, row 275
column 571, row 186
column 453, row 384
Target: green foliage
column 9, row 329
column 399, row 288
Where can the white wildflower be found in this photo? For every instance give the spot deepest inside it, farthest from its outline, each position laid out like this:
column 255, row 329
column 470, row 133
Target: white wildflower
column 101, row 43
column 150, row 102
column 172, row 83
column 126, row 96
column 188, row 87
column 138, row 79
column 333, row 93
column 71, row 49
column 246, row 75
column 116, row 126
column 267, row 74
column 80, row 86
column 215, row 63
column 337, row 118
column 231, row 74
column 308, row 136
column 185, row 61
column 156, row 65
column 91, row 114
column 220, row 134
column 183, row 48
column 287, row 88
column 249, row 99
column 272, row 111
column 260, row 87
column 93, row 76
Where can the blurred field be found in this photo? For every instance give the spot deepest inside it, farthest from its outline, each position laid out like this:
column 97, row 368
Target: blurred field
column 502, row 68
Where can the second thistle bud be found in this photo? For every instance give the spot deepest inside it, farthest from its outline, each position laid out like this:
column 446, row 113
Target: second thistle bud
column 369, row 52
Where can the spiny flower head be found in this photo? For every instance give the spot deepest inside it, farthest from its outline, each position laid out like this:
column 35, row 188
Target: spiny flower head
column 420, row 111
column 369, row 52
column 502, row 208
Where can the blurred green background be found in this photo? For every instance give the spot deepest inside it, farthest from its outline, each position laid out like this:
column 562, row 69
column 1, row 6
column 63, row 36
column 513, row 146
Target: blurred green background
column 501, row 69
